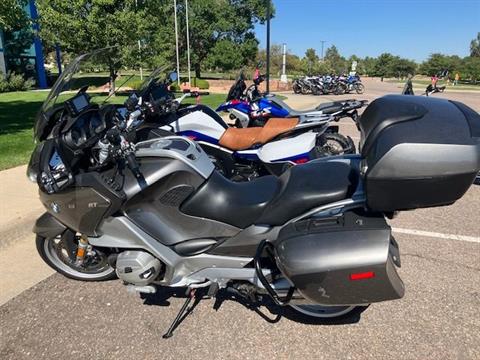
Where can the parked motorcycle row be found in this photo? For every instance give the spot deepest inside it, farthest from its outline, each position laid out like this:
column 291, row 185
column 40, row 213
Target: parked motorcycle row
column 328, row 84
column 142, row 191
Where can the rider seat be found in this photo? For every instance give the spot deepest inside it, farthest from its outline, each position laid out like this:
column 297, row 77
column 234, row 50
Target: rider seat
column 270, row 200
column 245, row 138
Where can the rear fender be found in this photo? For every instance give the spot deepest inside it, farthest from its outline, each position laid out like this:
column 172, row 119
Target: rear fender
column 47, row 226
column 332, row 129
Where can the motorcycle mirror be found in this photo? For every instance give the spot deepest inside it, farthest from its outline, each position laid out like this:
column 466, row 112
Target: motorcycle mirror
column 173, row 76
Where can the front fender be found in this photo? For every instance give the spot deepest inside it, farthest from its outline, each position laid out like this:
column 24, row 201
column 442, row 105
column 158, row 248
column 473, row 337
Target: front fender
column 47, row 226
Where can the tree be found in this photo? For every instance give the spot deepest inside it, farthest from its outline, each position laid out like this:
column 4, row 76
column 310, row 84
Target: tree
column 310, row 61
column 437, row 63
column 383, row 65
column 475, row 46
column 79, row 26
column 227, row 55
column 471, row 68
column 400, row 68
column 12, row 15
column 213, row 20
column 335, row 60
column 369, row 64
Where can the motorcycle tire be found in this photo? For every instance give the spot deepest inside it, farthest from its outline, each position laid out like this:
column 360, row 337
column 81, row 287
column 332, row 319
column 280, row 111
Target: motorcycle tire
column 359, row 88
column 296, row 89
column 54, row 256
column 332, row 144
column 339, row 89
column 310, row 313
column 316, row 91
column 304, row 91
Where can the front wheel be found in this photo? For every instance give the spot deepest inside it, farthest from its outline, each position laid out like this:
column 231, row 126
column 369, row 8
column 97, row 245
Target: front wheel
column 58, row 253
column 332, row 144
column 340, row 89
column 359, row 88
column 316, row 91
column 296, row 89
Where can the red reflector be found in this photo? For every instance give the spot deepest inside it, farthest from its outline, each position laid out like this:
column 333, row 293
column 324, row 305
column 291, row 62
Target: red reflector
column 301, row 161
column 361, row 276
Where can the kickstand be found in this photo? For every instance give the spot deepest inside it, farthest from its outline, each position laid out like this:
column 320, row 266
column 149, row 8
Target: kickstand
column 182, row 314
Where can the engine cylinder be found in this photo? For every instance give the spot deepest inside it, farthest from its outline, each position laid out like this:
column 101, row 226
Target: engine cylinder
column 138, row 267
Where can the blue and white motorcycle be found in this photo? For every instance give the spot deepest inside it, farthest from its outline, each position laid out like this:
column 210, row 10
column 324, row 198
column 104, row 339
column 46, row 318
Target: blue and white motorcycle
column 241, row 153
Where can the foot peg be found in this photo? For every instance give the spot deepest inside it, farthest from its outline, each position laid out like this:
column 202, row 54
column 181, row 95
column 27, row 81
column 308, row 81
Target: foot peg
column 149, row 289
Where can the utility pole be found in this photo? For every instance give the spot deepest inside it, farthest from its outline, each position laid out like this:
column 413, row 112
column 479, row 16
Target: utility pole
column 268, row 46
column 284, row 78
column 176, row 41
column 323, row 42
column 188, row 45
column 139, row 45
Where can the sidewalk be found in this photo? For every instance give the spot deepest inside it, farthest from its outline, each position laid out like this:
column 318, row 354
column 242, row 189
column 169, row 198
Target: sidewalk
column 20, row 265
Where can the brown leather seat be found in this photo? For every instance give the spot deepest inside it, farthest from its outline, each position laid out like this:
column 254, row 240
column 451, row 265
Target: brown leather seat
column 245, row 138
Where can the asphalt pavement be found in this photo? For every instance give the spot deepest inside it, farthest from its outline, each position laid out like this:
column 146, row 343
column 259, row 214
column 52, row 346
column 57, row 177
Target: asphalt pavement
column 437, row 319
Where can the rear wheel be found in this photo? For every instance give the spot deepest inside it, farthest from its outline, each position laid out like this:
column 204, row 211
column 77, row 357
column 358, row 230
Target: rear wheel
column 56, row 253
column 359, row 88
column 296, row 89
column 331, row 144
column 325, row 312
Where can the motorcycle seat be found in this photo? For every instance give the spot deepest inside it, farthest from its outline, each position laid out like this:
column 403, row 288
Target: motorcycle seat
column 270, row 200
column 326, row 108
column 245, row 138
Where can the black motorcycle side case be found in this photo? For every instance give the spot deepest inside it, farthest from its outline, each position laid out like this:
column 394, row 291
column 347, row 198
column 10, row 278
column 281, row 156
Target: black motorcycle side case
column 348, row 259
column 418, row 151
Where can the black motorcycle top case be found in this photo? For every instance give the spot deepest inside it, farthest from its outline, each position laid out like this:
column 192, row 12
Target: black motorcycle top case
column 347, row 259
column 418, row 152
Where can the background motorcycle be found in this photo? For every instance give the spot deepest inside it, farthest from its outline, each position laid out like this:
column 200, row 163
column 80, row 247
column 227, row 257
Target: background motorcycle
column 354, row 83
column 248, row 106
column 157, row 215
column 247, row 153
column 434, row 89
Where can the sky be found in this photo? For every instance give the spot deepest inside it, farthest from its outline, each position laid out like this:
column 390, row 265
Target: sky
column 409, row 28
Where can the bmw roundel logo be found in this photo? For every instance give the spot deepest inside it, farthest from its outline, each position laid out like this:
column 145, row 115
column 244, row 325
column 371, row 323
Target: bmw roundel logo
column 55, row 207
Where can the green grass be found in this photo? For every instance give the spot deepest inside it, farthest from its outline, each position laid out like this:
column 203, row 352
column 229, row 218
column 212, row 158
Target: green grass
column 425, row 83
column 17, row 116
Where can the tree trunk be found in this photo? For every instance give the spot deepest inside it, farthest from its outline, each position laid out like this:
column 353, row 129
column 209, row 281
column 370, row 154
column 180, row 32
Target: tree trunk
column 111, row 82
column 197, row 70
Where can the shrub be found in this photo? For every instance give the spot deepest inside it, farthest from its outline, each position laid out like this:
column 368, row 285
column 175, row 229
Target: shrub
column 200, row 83
column 4, row 87
column 15, row 82
column 135, row 84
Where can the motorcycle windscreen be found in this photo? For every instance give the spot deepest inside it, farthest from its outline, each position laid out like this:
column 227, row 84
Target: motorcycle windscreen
column 348, row 259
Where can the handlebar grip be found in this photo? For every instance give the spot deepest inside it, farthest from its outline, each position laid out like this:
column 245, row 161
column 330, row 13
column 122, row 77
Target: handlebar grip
column 133, row 164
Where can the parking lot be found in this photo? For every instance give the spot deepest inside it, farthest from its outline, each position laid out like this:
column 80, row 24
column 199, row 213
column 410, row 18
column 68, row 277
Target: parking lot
column 437, row 319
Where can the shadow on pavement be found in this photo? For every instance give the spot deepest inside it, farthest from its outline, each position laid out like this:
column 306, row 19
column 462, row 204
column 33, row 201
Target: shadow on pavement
column 273, row 314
